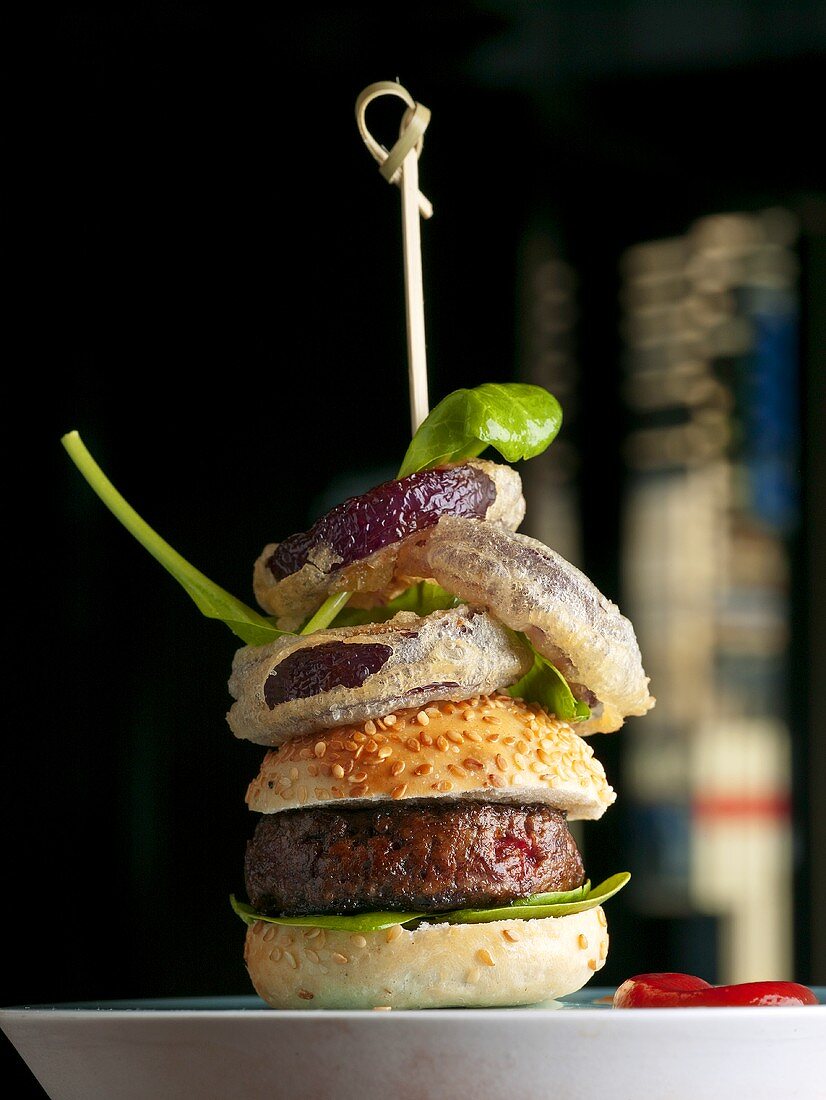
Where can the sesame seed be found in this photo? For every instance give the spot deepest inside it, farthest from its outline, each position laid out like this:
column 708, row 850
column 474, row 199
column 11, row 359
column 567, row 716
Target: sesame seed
column 473, row 976
column 455, row 737
column 582, row 940
column 338, row 792
column 501, row 762
column 484, row 956
column 358, row 752
column 360, row 737
column 603, row 949
column 320, row 793
column 398, row 792
column 358, row 941
column 496, row 780
column 305, row 753
column 522, row 747
column 285, row 782
column 473, row 763
column 510, row 935
column 349, row 767
column 592, row 964
column 537, row 768
column 339, row 958
column 275, row 954
column 311, row 933
column 382, row 1008
column 422, row 718
column 508, row 740
column 371, row 746
column 312, row 770
column 357, row 777
column 359, row 790
column 305, row 994
column 520, row 760
column 423, row 769
column 351, row 746
column 393, row 933
column 491, row 719
column 454, row 769
column 269, row 934
column 338, row 771
column 425, row 738
column 370, row 728
column 313, row 956
column 397, row 767
column 445, row 786
column 442, row 743
column 302, row 795
column 384, row 752
column 492, row 738
column 390, row 719
column 413, row 744
column 433, row 712
column 291, row 959
column 603, row 920
column 546, row 744
column 472, row 735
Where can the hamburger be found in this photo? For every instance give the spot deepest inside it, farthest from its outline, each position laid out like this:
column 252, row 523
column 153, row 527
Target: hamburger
column 411, row 847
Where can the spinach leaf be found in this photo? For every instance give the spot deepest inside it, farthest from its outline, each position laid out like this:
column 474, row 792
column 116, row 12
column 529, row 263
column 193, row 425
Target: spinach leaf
column 545, row 684
column 536, row 907
column 518, row 419
column 423, row 598
column 355, row 922
column 212, row 601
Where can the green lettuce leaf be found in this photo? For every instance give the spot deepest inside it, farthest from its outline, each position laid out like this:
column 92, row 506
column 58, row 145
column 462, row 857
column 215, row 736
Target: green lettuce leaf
column 545, row 684
column 536, row 907
column 212, row 601
column 517, row 419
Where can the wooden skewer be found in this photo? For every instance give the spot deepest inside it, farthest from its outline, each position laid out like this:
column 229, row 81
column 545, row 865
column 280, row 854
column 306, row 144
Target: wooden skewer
column 401, row 166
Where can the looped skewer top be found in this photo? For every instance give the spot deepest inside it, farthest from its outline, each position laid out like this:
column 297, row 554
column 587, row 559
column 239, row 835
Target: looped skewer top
column 401, row 166
column 411, row 134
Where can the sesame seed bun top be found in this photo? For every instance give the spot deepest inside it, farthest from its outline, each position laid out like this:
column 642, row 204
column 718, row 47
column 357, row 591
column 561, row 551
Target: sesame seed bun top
column 490, row 748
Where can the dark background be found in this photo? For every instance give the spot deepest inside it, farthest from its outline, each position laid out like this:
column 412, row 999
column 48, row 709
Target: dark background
column 205, row 280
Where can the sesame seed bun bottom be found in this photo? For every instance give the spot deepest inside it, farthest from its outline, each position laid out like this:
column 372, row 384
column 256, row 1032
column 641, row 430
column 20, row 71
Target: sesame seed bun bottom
column 499, row 964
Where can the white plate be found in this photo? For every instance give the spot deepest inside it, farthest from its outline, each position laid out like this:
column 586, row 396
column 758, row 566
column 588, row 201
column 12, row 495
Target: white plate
column 233, row 1048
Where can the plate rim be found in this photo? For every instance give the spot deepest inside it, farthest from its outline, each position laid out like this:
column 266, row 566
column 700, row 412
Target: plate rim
column 202, row 1007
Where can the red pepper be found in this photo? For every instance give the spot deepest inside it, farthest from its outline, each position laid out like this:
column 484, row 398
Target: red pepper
column 686, row 991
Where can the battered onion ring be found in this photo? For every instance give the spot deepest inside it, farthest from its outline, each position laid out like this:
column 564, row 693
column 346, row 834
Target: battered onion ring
column 347, row 675
column 292, row 579
column 530, row 588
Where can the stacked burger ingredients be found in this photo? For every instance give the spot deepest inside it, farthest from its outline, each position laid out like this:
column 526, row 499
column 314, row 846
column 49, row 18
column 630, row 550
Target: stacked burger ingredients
column 422, row 683
column 412, row 847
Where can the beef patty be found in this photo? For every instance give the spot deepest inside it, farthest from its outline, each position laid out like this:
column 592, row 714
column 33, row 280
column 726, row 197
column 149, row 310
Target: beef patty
column 427, row 856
